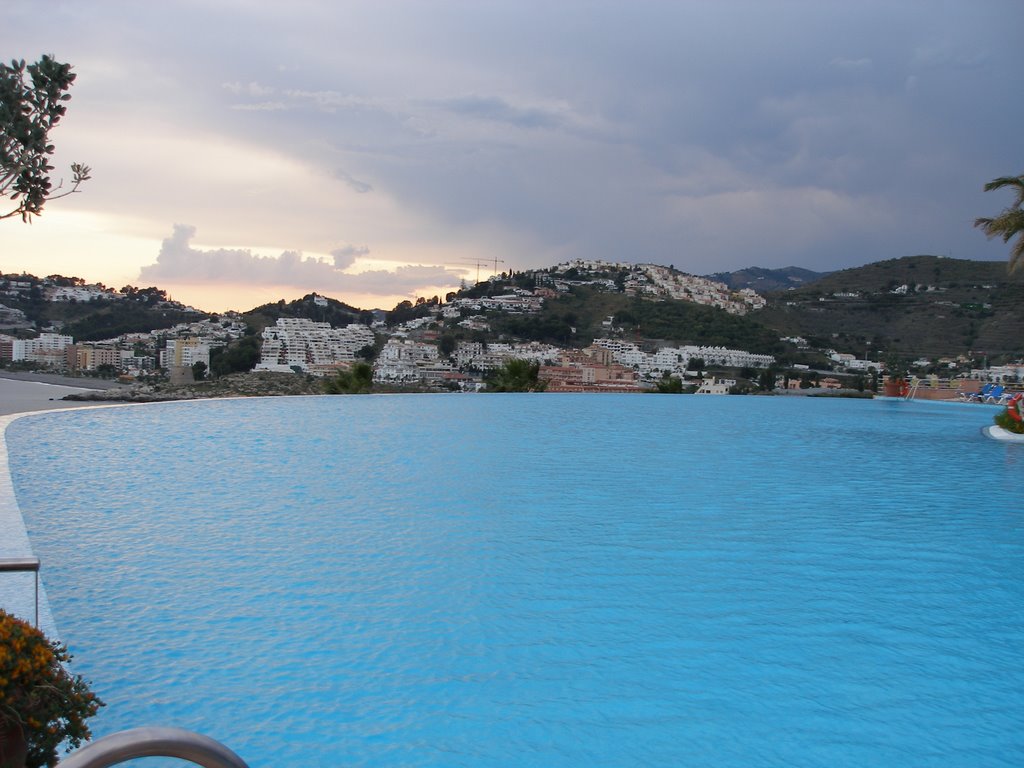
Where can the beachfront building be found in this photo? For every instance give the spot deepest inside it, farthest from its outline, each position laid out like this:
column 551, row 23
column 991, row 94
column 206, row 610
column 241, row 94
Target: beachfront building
column 90, row 357
column 47, row 349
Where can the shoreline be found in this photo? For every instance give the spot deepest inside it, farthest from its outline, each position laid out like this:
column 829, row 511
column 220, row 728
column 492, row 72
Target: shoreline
column 29, row 395
column 56, row 379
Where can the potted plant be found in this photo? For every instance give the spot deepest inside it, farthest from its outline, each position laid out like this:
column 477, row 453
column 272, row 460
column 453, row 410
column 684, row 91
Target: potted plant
column 895, row 384
column 41, row 704
column 1012, row 419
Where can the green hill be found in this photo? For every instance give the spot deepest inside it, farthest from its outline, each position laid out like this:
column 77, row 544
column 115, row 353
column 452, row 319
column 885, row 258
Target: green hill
column 917, row 305
column 767, row 280
column 311, row 307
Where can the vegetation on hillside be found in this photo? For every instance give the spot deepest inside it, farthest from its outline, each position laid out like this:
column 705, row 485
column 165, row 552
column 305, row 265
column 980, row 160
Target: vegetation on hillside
column 766, row 280
column 311, row 307
column 237, row 357
column 918, row 305
column 116, row 318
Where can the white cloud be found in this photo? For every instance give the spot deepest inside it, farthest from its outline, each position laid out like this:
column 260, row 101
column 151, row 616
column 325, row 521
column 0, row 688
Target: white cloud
column 179, row 263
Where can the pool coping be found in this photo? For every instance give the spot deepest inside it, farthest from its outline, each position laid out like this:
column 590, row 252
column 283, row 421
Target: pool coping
column 14, row 541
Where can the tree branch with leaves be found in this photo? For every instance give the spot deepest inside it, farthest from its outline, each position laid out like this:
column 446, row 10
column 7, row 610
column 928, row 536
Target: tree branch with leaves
column 33, row 99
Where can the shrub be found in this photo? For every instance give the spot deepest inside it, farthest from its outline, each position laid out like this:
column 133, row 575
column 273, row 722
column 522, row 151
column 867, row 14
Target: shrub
column 38, row 696
column 1007, row 422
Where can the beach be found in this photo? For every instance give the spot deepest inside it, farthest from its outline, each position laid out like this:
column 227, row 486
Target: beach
column 24, row 392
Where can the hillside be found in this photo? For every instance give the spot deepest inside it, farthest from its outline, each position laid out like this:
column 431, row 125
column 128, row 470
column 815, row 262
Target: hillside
column 578, row 317
column 927, row 306
column 914, row 306
column 312, row 307
column 767, row 280
column 108, row 315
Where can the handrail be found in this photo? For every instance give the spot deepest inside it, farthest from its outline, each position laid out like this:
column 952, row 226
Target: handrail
column 154, row 742
column 24, row 564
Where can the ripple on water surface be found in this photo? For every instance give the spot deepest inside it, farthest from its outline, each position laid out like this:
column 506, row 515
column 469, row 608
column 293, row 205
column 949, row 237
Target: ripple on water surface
column 557, row 581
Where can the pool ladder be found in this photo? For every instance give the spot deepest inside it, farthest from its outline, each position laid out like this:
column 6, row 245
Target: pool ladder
column 23, row 565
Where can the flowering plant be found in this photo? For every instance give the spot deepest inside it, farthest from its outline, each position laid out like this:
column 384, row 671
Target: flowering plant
column 1012, row 419
column 40, row 701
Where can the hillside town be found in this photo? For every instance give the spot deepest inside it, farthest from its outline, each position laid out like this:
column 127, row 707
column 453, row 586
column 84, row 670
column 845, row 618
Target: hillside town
column 419, row 351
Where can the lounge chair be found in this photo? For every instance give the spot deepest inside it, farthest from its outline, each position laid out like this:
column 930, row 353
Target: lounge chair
column 1004, row 398
column 979, row 396
column 994, row 395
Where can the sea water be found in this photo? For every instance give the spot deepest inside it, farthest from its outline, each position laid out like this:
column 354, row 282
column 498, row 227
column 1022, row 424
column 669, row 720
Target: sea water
column 523, row 580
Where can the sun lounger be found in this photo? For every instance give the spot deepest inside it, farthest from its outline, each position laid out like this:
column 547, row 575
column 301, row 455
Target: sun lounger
column 994, row 395
column 979, row 396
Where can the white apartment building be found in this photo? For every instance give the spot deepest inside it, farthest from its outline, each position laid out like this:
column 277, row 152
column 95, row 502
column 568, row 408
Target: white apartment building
column 310, row 346
column 48, row 349
column 185, row 352
column 676, row 360
column 404, row 360
column 486, row 357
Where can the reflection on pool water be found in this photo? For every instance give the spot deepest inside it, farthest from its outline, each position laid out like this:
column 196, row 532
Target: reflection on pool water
column 541, row 580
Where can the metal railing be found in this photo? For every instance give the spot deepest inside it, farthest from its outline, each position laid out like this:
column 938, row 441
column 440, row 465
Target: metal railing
column 23, row 564
column 154, row 742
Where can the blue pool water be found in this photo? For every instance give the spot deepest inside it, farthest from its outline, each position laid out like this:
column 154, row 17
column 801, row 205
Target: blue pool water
column 541, row 580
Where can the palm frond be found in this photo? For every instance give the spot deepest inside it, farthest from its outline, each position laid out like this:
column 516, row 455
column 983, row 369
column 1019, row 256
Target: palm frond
column 1017, row 255
column 1009, row 181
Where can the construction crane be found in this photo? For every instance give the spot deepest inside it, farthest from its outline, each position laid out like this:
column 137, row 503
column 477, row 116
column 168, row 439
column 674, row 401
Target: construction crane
column 480, row 263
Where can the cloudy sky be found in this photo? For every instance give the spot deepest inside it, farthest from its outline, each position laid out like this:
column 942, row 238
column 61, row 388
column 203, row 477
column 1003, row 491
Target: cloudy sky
column 246, row 150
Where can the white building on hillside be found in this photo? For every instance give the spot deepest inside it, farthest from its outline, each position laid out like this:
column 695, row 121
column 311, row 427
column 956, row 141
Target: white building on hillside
column 310, row 346
column 185, row 352
column 676, row 360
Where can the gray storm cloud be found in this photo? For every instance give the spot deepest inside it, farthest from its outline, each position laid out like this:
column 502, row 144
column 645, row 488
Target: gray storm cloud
column 707, row 135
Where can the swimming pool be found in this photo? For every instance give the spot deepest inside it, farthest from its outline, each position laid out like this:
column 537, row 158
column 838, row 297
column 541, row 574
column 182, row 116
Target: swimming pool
column 565, row 580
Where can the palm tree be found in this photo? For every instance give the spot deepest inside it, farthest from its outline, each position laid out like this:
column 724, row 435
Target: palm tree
column 516, row 375
column 1010, row 222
